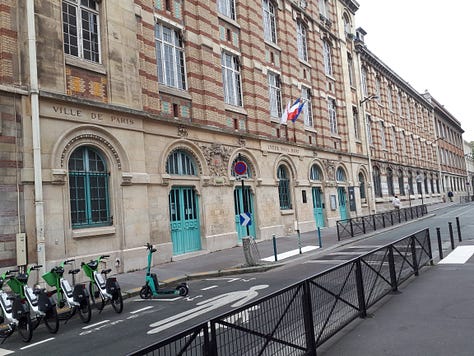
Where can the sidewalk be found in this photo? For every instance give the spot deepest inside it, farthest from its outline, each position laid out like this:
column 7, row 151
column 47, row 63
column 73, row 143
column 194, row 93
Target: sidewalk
column 232, row 261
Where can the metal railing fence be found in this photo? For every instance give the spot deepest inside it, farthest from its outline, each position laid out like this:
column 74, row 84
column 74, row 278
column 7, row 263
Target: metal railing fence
column 364, row 224
column 301, row 317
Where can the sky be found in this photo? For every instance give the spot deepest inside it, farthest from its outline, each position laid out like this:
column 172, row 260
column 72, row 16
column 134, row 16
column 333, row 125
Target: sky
column 428, row 43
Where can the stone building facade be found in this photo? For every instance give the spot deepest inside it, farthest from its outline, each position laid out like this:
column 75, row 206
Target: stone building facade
column 143, row 109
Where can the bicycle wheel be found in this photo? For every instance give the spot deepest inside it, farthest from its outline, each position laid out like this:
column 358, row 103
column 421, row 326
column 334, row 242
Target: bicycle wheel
column 183, row 290
column 117, row 302
column 51, row 320
column 25, row 328
column 85, row 312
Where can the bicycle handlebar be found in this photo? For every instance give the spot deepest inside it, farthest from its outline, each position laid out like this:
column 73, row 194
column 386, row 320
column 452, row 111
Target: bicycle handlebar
column 104, row 256
column 69, row 261
column 36, row 266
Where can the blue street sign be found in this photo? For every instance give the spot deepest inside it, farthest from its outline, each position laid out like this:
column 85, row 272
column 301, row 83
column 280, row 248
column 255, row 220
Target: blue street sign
column 245, row 219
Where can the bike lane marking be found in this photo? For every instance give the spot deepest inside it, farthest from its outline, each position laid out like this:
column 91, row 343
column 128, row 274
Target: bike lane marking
column 139, row 310
column 4, row 352
column 35, row 344
column 210, row 287
column 460, row 255
column 94, row 325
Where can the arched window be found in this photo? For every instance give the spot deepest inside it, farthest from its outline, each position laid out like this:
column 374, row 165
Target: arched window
column 391, row 191
column 316, row 173
column 363, row 194
column 340, row 175
column 377, row 182
column 181, row 163
column 88, row 188
column 401, row 183
column 284, row 188
column 410, row 182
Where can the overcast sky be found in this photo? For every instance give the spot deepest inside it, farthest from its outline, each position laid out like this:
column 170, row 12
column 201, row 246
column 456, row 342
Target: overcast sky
column 429, row 43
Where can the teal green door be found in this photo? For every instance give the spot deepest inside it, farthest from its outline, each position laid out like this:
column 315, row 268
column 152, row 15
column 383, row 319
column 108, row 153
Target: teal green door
column 318, row 206
column 243, row 203
column 341, row 195
column 184, row 219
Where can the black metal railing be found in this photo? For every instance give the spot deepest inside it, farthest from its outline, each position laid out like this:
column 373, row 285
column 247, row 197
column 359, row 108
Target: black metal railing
column 466, row 198
column 368, row 223
column 301, row 317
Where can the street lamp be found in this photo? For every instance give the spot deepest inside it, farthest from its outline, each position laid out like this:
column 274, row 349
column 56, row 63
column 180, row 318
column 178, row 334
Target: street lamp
column 467, row 185
column 370, row 186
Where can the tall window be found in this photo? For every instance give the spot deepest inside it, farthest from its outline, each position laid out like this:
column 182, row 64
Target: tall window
column 362, row 191
column 382, row 136
column 284, row 188
column 410, row 183
column 401, row 184
column 390, row 97
column 327, row 58
column 181, row 163
column 368, row 122
column 170, row 57
column 226, row 8
column 363, row 79
column 274, row 92
column 340, row 175
column 307, row 113
column 377, row 182
column 323, row 8
column 88, row 188
column 231, row 79
column 316, row 173
column 391, row 191
column 350, row 69
column 332, row 115
column 394, row 139
column 269, row 21
column 302, row 41
column 378, row 90
column 81, row 29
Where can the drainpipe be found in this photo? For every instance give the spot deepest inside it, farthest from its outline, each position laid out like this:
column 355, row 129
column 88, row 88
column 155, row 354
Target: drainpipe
column 36, row 136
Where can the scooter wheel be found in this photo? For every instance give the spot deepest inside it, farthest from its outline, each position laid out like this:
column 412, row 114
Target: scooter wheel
column 145, row 292
column 183, row 290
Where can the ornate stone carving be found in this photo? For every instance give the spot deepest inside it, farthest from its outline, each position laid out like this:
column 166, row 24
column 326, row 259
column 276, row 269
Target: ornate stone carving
column 330, row 168
column 182, row 131
column 242, row 141
column 217, row 157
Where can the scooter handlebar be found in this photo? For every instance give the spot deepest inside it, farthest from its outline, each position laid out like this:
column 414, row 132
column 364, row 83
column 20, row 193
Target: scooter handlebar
column 69, row 261
column 36, row 267
column 104, row 256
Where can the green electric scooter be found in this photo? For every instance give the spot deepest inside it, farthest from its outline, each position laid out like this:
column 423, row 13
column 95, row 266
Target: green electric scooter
column 152, row 289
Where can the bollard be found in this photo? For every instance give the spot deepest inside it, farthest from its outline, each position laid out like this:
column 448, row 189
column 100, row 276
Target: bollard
column 440, row 245
column 319, row 238
column 299, row 240
column 451, row 236
column 459, row 229
column 275, row 247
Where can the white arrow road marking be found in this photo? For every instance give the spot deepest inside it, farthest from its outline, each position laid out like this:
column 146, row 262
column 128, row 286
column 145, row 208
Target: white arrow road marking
column 139, row 310
column 190, row 299
column 282, row 256
column 460, row 255
column 236, row 299
column 35, row 344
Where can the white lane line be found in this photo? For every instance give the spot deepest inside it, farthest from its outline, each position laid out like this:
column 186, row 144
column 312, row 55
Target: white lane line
column 210, row 287
column 139, row 310
column 158, row 299
column 4, row 352
column 460, row 255
column 282, row 256
column 94, row 325
column 35, row 344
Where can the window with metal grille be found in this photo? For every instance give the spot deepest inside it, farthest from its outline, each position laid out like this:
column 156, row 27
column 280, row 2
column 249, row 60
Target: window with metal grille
column 81, row 29
column 377, row 182
column 401, row 184
column 181, row 163
column 269, row 21
column 362, row 186
column 301, row 41
column 391, row 191
column 231, row 79
column 226, row 8
column 170, row 57
column 88, row 188
column 284, row 188
column 274, row 92
column 316, row 173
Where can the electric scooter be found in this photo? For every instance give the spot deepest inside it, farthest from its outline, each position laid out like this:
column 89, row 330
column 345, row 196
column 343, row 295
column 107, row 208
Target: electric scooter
column 152, row 287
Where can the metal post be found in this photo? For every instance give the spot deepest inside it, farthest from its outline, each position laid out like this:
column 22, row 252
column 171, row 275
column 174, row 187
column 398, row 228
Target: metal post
column 308, row 319
column 459, row 229
column 440, row 245
column 451, row 235
column 391, row 266
column 413, row 255
column 275, row 247
column 319, row 238
column 299, row 240
column 360, row 289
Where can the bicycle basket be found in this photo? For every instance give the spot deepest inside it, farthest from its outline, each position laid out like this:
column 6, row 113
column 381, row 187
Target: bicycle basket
column 50, row 278
column 15, row 285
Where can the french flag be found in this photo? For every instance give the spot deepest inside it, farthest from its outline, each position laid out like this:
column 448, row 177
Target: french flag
column 292, row 111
